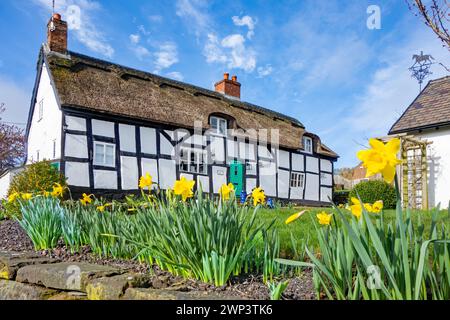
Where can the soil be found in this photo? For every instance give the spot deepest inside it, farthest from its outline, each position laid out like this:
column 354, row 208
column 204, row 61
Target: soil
column 13, row 238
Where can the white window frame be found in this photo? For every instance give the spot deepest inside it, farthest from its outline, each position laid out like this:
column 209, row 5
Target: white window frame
column 297, row 180
column 102, row 162
column 308, row 147
column 41, row 110
column 196, row 166
column 217, row 130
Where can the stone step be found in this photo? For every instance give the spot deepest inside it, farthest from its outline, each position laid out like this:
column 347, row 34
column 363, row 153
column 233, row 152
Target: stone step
column 10, row 262
column 11, row 290
column 159, row 294
column 69, row 276
column 113, row 288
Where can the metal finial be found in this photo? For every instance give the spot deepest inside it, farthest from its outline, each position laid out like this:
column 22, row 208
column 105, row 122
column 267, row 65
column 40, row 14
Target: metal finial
column 421, row 67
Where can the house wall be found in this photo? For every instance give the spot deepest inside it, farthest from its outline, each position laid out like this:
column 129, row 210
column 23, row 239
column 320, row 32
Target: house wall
column 5, row 181
column 438, row 166
column 44, row 138
column 145, row 147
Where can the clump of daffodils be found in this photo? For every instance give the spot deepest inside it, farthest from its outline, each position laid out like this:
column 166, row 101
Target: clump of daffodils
column 226, row 190
column 184, row 188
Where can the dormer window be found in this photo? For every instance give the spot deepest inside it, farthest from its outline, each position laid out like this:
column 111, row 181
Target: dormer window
column 219, row 125
column 308, row 144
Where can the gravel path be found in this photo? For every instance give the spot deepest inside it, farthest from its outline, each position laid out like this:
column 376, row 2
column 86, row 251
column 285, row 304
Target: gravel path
column 13, row 238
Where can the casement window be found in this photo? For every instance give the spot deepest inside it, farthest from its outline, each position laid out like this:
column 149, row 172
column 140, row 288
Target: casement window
column 193, row 161
column 308, row 144
column 297, row 180
column 41, row 110
column 250, row 168
column 219, row 125
column 104, row 154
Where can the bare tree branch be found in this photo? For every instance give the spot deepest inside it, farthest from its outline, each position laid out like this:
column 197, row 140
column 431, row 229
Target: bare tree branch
column 12, row 144
column 436, row 15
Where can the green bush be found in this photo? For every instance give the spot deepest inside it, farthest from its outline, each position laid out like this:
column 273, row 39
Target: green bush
column 341, row 196
column 36, row 179
column 374, row 190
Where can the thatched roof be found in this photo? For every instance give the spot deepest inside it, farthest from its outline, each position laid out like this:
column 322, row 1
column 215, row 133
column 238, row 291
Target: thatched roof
column 100, row 86
column 430, row 109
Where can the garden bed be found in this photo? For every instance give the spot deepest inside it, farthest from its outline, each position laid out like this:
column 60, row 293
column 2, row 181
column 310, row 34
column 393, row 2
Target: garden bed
column 14, row 239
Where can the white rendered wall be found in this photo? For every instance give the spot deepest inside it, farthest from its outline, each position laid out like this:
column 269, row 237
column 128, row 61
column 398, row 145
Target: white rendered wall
column 5, row 180
column 219, row 177
column 438, row 167
column 127, row 136
column 148, row 140
column 45, row 133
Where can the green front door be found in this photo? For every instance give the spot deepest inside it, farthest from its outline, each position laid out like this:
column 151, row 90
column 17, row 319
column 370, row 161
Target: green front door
column 236, row 176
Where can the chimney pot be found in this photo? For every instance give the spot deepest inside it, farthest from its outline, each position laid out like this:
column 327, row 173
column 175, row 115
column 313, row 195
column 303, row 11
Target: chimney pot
column 57, row 34
column 228, row 87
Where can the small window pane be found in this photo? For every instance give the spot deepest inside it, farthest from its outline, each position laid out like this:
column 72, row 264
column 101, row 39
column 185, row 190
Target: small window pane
column 214, row 122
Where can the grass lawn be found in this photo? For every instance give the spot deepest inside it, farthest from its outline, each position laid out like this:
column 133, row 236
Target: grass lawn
column 303, row 229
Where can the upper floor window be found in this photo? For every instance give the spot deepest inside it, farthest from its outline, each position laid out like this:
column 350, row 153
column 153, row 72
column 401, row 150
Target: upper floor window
column 193, row 161
column 308, row 144
column 41, row 110
column 219, row 125
column 104, row 154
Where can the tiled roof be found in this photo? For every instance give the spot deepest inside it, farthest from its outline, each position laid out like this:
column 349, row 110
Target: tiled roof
column 431, row 108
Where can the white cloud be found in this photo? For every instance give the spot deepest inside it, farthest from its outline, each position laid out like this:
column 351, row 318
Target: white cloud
column 141, row 52
column 155, row 18
column 80, row 16
column 264, row 71
column 240, row 56
column 17, row 101
column 175, row 75
column 191, row 10
column 166, row 56
column 246, row 21
column 212, row 50
column 135, row 38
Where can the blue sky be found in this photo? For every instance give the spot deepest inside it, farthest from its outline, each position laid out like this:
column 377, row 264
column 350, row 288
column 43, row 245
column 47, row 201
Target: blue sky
column 314, row 60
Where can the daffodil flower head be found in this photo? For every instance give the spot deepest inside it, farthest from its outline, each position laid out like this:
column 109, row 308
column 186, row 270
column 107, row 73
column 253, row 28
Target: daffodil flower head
column 58, row 190
column 86, row 199
column 294, row 217
column 324, row 218
column 27, row 196
column 13, row 197
column 184, row 188
column 258, row 196
column 225, row 191
column 381, row 158
column 377, row 206
column 356, row 207
column 145, row 181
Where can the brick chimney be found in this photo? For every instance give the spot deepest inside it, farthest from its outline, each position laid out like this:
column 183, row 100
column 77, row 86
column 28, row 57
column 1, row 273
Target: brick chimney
column 228, row 87
column 57, row 34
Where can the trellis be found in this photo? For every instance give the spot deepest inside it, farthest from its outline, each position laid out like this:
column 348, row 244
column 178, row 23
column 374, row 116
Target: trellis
column 414, row 173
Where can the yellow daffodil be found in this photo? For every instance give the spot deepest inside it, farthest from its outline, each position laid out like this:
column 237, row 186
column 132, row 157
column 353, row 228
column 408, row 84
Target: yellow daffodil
column 13, row 197
column 381, row 158
column 86, row 199
column 294, row 217
column 356, row 207
column 184, row 188
column 225, row 191
column 324, row 218
column 258, row 196
column 102, row 208
column 145, row 181
column 368, row 207
column 377, row 206
column 46, row 194
column 57, row 190
column 27, row 196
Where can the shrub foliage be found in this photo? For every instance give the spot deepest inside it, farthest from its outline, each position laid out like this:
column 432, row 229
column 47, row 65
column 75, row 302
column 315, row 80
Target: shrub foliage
column 374, row 190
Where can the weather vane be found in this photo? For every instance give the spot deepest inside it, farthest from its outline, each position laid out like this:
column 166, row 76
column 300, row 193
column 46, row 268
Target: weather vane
column 421, row 67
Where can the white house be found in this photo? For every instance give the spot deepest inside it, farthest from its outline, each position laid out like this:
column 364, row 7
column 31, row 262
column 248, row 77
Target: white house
column 427, row 119
column 104, row 125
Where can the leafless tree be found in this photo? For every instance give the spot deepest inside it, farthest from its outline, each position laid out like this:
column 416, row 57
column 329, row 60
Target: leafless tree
column 436, row 15
column 12, row 144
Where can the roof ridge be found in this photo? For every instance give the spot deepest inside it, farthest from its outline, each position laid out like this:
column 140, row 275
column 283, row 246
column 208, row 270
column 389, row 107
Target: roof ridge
column 234, row 102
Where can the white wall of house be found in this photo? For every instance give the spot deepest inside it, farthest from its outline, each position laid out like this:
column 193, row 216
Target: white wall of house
column 44, row 139
column 438, row 166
